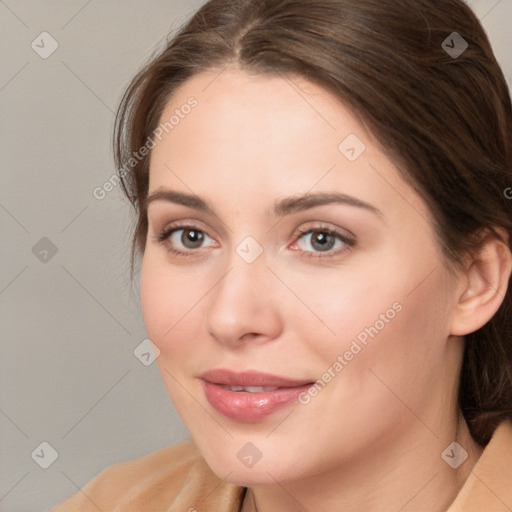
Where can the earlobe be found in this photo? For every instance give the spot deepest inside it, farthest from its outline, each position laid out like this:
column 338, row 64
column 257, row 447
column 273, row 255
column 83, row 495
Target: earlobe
column 485, row 284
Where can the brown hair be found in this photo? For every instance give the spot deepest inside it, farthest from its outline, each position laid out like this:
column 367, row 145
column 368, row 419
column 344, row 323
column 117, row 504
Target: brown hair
column 445, row 120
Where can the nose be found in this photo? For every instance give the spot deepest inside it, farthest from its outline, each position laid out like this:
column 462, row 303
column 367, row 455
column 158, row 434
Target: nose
column 243, row 306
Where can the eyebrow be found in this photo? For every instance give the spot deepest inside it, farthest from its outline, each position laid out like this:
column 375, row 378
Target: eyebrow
column 281, row 208
column 188, row 200
column 295, row 204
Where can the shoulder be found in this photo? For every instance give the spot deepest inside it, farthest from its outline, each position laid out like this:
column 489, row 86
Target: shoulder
column 175, row 478
column 488, row 486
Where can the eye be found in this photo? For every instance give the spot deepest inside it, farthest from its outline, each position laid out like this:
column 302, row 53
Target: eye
column 184, row 240
column 190, row 238
column 323, row 240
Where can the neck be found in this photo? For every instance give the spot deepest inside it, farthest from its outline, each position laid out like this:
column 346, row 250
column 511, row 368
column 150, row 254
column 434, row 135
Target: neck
column 409, row 474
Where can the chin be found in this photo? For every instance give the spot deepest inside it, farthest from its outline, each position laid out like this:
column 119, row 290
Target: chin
column 234, row 464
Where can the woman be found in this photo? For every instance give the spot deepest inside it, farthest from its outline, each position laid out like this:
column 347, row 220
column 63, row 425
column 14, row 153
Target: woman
column 326, row 256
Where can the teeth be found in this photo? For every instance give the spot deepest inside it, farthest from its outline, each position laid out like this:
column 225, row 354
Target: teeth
column 251, row 389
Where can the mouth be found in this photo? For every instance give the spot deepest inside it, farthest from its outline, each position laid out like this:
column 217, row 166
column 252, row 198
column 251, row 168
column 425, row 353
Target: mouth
column 250, row 389
column 250, row 396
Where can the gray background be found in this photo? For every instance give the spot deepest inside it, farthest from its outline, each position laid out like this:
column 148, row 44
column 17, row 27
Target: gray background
column 71, row 320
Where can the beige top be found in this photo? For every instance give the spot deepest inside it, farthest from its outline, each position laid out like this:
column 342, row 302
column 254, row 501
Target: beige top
column 177, row 479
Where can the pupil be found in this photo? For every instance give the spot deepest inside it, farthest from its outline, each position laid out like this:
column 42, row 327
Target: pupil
column 192, row 238
column 323, row 241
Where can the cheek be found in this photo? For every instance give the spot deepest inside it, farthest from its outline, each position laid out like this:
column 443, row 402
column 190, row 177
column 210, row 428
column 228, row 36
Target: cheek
column 402, row 348
column 169, row 302
column 384, row 314
column 335, row 305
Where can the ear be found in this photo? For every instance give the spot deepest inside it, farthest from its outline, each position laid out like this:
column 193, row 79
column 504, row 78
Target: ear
column 484, row 283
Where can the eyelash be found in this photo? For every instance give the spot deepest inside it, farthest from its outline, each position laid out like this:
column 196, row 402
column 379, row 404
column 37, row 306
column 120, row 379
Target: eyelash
column 167, row 232
column 349, row 242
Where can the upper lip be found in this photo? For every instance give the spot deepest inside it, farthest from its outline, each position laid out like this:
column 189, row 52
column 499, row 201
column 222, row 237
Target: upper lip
column 227, row 377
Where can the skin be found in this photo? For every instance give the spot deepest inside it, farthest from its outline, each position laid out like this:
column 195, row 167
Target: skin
column 372, row 439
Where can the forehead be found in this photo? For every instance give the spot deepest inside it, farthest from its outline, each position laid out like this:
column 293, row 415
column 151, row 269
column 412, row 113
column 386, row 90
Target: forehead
column 258, row 112
column 218, row 89
column 267, row 135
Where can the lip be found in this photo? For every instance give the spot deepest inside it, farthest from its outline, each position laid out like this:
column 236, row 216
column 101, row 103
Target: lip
column 227, row 377
column 249, row 407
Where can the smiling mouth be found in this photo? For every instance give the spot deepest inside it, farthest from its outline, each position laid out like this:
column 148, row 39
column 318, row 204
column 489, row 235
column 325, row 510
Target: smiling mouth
column 250, row 396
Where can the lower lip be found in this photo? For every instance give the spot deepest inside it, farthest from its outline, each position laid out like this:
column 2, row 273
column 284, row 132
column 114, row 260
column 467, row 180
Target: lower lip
column 250, row 407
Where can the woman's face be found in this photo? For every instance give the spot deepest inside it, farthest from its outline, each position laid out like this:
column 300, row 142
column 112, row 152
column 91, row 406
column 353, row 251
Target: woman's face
column 291, row 252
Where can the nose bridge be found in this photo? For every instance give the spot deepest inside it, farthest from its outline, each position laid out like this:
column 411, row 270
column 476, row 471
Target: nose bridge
column 240, row 302
column 246, row 266
column 237, row 291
